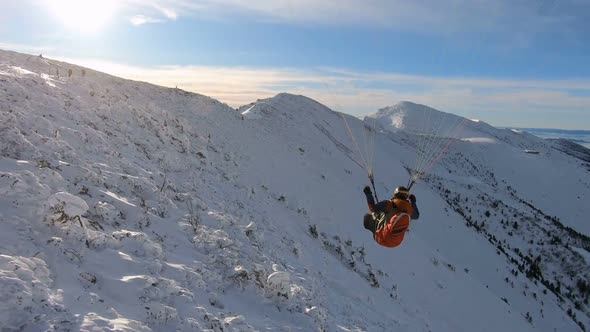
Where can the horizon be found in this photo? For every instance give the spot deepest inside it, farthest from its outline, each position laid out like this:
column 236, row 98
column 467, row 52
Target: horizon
column 510, row 65
column 586, row 131
column 560, row 129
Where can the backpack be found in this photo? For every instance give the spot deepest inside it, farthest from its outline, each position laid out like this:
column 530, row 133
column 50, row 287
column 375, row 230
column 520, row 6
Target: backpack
column 391, row 234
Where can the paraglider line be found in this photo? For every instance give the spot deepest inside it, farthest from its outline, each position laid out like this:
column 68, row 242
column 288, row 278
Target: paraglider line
column 449, row 143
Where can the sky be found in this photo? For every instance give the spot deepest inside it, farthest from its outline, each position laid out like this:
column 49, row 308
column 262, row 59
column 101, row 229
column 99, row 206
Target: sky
column 510, row 63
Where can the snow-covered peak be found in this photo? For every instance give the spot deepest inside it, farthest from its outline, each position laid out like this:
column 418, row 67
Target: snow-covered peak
column 417, row 118
column 284, row 104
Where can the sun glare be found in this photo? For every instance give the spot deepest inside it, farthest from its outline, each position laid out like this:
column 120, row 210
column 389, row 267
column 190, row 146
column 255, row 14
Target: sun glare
column 86, row 16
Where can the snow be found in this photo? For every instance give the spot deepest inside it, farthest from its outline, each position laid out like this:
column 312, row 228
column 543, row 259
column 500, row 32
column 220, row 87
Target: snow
column 69, row 204
column 250, row 114
column 127, row 206
column 583, row 253
column 480, row 140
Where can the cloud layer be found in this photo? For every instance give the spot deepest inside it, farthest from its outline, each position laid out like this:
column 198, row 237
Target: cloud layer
column 359, row 93
column 518, row 19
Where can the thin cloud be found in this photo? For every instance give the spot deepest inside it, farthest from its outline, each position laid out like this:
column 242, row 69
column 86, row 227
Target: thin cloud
column 141, row 20
column 518, row 21
column 496, row 26
column 153, row 11
column 168, row 12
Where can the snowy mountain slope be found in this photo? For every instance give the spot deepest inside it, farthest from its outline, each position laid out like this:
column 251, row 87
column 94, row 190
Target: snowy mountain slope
column 411, row 117
column 133, row 207
column 572, row 148
column 502, row 151
column 527, row 205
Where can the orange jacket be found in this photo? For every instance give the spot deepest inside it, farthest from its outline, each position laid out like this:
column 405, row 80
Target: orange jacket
column 404, row 206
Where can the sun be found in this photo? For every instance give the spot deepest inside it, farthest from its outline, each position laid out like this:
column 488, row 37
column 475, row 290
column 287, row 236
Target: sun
column 85, row 16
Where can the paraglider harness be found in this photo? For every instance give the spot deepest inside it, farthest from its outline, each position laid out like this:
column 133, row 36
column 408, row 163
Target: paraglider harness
column 389, row 219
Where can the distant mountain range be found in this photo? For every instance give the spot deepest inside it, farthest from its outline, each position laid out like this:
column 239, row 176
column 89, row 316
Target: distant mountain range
column 559, row 133
column 554, row 131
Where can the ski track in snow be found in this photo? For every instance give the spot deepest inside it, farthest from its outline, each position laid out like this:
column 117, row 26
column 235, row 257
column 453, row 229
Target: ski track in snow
column 131, row 207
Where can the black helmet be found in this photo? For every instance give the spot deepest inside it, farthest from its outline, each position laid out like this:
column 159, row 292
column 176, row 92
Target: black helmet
column 401, row 193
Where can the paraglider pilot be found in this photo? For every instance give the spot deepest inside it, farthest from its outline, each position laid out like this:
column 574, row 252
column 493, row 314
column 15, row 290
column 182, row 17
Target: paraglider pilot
column 390, row 219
